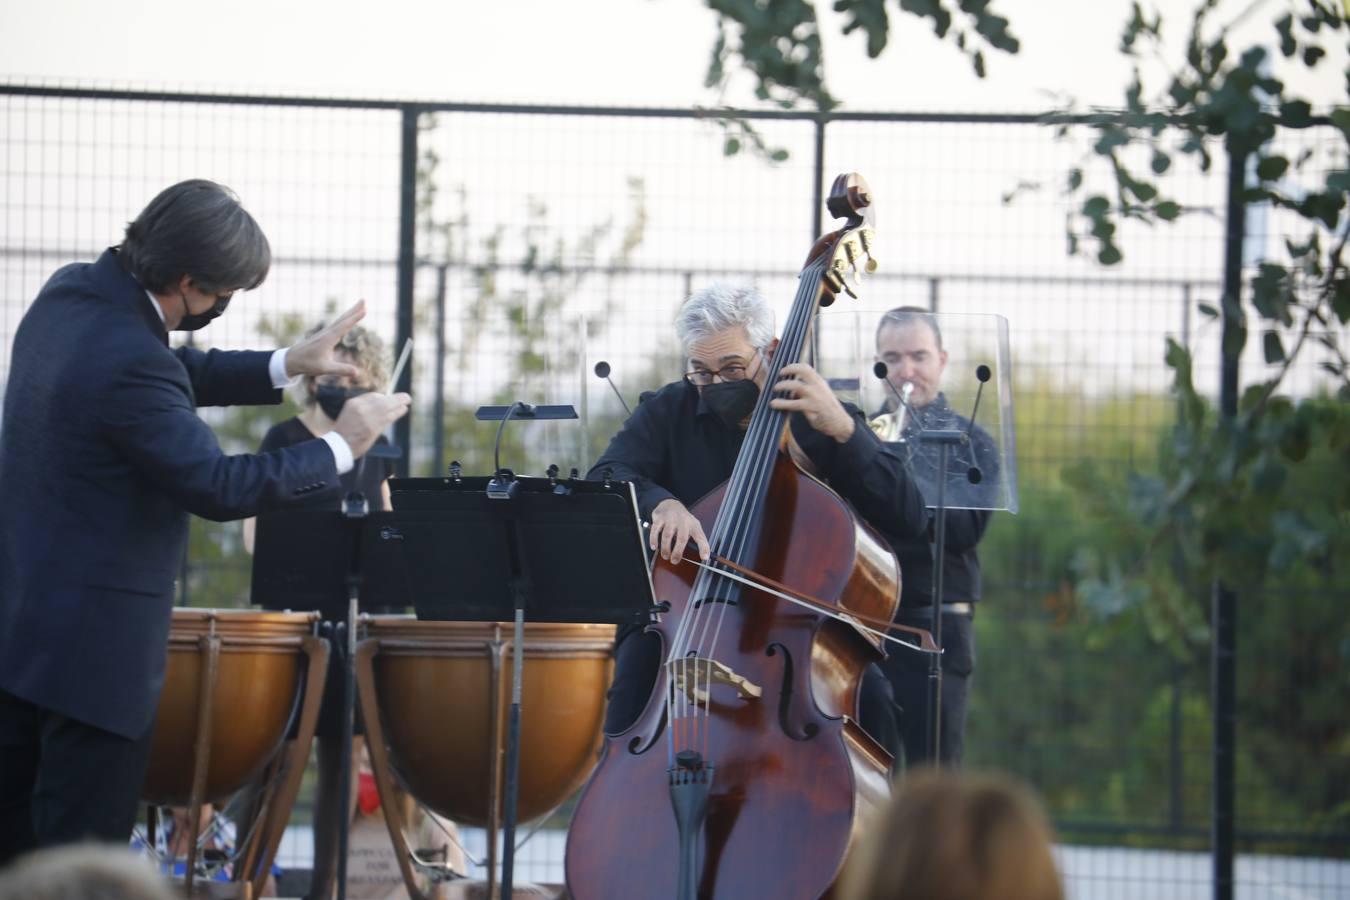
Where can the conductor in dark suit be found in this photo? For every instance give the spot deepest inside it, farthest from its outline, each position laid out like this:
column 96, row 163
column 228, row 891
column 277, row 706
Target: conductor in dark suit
column 102, row 457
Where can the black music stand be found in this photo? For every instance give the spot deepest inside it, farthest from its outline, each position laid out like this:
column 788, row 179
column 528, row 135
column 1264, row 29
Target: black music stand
column 512, row 548
column 313, row 559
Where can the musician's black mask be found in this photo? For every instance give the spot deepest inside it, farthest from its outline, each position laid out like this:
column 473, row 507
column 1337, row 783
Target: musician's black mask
column 732, row 401
column 193, row 321
column 331, row 398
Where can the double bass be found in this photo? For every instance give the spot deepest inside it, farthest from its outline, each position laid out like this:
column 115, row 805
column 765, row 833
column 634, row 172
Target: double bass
column 747, row 774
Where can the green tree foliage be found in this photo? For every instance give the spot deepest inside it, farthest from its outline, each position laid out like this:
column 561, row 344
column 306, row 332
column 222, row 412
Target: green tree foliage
column 778, row 42
column 1261, row 499
column 532, row 316
column 1092, row 681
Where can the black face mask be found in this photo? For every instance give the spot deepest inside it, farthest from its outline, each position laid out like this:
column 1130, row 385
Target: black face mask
column 732, row 401
column 195, row 321
column 332, row 398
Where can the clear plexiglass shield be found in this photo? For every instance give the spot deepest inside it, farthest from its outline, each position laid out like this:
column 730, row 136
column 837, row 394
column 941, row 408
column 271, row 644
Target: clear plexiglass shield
column 925, row 381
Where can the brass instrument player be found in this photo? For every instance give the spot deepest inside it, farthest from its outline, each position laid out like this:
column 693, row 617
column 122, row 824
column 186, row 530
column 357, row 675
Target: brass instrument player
column 909, row 343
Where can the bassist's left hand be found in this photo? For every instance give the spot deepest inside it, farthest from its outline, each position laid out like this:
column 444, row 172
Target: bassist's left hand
column 803, row 390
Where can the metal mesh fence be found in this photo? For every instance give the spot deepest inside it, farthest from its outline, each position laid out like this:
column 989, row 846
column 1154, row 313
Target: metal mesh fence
column 547, row 240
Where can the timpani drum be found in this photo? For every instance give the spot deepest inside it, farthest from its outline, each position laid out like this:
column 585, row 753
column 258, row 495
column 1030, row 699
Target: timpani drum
column 250, row 697
column 443, row 691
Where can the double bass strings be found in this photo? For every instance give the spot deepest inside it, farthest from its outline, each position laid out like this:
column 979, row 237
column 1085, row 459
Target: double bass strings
column 737, row 527
column 747, row 487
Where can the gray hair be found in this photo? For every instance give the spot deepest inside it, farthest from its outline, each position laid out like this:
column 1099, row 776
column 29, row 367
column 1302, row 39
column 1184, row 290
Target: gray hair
column 196, row 228
column 83, row 872
column 721, row 306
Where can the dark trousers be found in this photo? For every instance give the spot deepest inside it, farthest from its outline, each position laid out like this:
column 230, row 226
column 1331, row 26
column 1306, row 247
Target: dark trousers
column 62, row 781
column 909, row 677
column 637, row 660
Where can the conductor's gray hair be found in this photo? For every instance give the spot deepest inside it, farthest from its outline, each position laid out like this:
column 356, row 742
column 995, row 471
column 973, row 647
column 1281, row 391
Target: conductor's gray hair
column 721, row 306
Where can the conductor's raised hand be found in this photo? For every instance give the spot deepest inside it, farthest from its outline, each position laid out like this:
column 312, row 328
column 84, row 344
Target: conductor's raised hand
column 802, row 389
column 673, row 527
column 365, row 417
column 314, row 355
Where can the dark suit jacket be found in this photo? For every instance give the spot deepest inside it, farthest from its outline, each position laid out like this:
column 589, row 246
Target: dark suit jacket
column 102, row 456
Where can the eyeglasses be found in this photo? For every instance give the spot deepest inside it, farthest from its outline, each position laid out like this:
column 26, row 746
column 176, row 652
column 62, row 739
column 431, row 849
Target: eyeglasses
column 733, row 372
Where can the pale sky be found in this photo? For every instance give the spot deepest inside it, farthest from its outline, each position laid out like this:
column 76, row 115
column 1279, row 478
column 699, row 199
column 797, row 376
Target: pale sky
column 632, row 52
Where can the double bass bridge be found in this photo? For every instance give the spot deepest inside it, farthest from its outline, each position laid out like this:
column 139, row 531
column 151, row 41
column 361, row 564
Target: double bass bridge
column 694, row 676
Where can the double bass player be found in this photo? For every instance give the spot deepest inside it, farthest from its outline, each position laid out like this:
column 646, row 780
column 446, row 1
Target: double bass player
column 682, row 441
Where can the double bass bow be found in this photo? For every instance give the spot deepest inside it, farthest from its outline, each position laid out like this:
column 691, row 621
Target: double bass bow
column 747, row 774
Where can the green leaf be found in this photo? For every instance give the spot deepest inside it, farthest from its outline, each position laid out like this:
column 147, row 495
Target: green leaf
column 1273, row 347
column 1271, row 293
column 1340, row 298
column 869, row 15
column 1341, row 117
column 1268, row 476
column 1141, row 190
column 1075, row 179
column 1096, row 206
column 1208, row 310
column 1111, row 137
column 1109, row 255
column 1285, row 26
column 1160, row 163
column 1252, row 395
column 1176, row 356
column 1271, row 168
column 1167, row 210
column 731, row 147
column 779, row 155
column 1312, row 54
column 1324, row 207
column 1295, row 540
column 1296, row 113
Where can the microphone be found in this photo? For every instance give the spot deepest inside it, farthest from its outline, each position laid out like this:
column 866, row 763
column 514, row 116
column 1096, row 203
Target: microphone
column 880, row 370
column 602, row 371
column 982, row 374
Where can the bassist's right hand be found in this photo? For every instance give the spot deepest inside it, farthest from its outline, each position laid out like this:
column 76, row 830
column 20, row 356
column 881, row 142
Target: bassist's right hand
column 673, row 527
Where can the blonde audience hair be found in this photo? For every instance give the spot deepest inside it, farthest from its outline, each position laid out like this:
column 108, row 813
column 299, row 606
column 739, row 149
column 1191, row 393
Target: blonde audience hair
column 83, row 872
column 953, row 836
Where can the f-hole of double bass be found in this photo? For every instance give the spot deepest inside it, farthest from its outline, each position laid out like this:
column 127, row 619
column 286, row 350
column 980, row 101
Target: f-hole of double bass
column 729, row 601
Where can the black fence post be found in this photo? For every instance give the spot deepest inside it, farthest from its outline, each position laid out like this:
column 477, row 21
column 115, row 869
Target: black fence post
column 438, row 403
column 407, row 261
column 1176, row 779
column 1223, row 642
column 818, row 170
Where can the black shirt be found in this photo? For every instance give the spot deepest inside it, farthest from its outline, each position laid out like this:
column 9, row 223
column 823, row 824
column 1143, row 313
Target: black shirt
column 965, row 527
column 673, row 446
column 367, row 476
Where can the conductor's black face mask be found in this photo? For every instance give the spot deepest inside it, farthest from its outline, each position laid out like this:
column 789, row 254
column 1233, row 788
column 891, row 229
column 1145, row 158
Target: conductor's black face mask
column 194, row 321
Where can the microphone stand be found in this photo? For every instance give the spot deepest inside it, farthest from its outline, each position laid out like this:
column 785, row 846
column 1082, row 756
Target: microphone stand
column 355, row 509
column 503, row 486
column 944, row 439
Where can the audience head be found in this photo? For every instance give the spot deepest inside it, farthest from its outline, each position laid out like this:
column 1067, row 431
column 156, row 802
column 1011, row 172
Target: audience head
column 83, row 872
column 953, row 836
